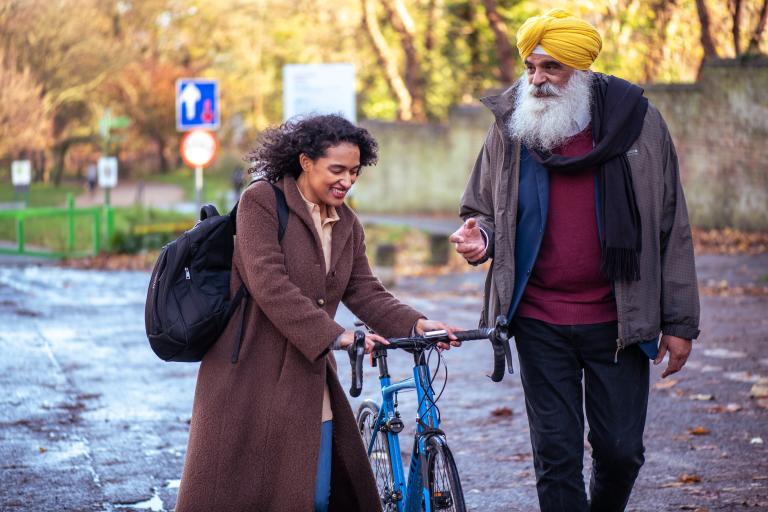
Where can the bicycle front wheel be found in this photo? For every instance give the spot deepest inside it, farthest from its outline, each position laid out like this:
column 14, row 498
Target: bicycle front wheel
column 379, row 459
column 444, row 484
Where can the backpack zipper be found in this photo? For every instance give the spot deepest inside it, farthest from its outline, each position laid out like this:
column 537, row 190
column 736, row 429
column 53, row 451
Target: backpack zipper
column 186, row 273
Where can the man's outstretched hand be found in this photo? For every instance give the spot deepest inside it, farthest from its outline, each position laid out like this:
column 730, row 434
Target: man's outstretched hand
column 679, row 349
column 469, row 241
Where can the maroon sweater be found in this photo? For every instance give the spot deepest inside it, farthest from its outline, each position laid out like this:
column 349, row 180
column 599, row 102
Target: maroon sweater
column 566, row 286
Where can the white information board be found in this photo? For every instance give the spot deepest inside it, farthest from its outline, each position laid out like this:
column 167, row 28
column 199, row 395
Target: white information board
column 319, row 89
column 21, row 173
column 107, row 172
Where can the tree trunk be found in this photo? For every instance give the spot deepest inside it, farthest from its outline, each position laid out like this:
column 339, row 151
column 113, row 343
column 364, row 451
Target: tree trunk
column 164, row 167
column 754, row 41
column 706, row 35
column 387, row 62
column 505, row 54
column 414, row 78
column 736, row 29
column 58, row 167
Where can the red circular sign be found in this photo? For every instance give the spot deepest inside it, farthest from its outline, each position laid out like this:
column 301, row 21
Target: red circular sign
column 198, row 148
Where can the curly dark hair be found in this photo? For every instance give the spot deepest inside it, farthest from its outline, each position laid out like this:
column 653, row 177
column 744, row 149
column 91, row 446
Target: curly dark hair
column 278, row 149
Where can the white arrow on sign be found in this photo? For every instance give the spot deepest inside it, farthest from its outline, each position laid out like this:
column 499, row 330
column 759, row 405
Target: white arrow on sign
column 189, row 96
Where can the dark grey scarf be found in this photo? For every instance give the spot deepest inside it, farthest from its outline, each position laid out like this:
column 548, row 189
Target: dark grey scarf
column 618, row 111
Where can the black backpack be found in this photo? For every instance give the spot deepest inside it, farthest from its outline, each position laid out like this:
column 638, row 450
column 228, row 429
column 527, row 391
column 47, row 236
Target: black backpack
column 188, row 303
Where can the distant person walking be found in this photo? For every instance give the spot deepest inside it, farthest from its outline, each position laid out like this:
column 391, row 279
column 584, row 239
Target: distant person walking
column 238, row 180
column 271, row 428
column 91, row 177
column 576, row 198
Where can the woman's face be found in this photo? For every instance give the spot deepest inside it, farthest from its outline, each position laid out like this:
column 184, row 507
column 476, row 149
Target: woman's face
column 327, row 179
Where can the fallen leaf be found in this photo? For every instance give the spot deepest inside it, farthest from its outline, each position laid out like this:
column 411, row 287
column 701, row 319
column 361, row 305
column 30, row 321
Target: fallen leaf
column 756, row 440
column 665, row 384
column 699, row 431
column 702, row 397
column 759, row 389
column 689, row 479
column 502, row 412
column 760, row 477
column 42, row 450
column 763, row 403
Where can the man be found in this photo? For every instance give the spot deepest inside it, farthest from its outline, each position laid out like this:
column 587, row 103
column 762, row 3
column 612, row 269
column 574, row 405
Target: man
column 576, row 198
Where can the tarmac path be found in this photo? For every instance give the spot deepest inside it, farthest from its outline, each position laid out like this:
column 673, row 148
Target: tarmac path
column 128, row 193
column 90, row 420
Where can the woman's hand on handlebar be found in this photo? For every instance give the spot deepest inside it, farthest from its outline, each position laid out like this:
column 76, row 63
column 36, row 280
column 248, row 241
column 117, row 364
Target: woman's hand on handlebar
column 348, row 338
column 423, row 325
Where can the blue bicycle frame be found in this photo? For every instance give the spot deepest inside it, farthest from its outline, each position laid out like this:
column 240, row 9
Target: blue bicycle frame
column 416, row 492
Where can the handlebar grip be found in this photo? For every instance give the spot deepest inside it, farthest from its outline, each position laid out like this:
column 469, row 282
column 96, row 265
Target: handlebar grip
column 356, row 352
column 476, row 334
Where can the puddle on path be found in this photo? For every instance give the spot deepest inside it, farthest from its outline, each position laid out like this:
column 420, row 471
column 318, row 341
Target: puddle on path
column 742, row 376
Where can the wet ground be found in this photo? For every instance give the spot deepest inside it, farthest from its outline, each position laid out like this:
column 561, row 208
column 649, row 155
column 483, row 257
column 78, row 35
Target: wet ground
column 90, row 420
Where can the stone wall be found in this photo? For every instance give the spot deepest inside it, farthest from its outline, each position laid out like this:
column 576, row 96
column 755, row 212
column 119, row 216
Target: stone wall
column 719, row 125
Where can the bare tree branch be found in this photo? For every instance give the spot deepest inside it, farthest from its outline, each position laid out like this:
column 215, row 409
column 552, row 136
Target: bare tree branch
column 505, row 54
column 706, row 35
column 664, row 10
column 387, row 62
column 414, row 78
column 754, row 41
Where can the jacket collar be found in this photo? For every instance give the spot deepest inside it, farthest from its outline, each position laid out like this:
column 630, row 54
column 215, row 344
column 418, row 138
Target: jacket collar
column 501, row 105
column 342, row 229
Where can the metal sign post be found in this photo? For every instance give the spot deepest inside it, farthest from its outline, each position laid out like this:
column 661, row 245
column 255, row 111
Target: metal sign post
column 199, row 186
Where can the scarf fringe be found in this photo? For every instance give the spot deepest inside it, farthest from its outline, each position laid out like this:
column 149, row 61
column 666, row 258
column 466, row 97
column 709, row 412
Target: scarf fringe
column 621, row 264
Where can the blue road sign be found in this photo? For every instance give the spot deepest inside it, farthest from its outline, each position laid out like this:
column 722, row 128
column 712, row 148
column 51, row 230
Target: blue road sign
column 197, row 104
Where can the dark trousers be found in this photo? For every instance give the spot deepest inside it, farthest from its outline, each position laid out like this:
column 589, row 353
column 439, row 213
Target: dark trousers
column 553, row 360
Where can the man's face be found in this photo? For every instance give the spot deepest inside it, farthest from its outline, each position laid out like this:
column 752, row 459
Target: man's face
column 543, row 69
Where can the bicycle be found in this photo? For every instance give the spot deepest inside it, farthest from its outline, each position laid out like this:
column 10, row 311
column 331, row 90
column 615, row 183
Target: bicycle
column 433, row 479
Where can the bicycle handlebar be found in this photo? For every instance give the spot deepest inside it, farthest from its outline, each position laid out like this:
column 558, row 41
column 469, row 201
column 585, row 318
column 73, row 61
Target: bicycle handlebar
column 498, row 335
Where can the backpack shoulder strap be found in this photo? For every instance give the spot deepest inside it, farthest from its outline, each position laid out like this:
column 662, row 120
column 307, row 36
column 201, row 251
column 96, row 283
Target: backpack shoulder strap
column 282, row 210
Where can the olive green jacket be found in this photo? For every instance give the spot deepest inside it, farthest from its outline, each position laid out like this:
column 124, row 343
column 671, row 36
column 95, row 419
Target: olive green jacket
column 666, row 298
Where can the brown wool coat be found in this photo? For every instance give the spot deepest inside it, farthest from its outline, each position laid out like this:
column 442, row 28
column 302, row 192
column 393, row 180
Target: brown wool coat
column 255, row 432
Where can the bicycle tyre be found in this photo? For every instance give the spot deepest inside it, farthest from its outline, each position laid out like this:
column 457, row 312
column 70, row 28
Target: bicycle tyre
column 444, row 483
column 379, row 459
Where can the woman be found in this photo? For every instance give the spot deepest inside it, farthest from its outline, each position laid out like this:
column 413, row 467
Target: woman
column 273, row 431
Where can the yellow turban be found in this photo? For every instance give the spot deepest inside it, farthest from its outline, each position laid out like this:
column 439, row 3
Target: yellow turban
column 566, row 38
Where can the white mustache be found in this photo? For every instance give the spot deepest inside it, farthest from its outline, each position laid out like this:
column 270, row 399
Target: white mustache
column 544, row 90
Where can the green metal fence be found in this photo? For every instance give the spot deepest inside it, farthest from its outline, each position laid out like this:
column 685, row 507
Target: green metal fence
column 60, row 221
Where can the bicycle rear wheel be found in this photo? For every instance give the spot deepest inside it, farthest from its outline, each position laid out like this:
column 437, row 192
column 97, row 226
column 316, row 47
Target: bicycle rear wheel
column 379, row 456
column 444, row 484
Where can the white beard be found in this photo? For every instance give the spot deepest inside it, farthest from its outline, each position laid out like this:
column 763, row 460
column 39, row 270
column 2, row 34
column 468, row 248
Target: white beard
column 546, row 116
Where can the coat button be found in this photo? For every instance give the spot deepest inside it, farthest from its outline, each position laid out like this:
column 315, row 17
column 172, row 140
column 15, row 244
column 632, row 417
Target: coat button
column 321, row 302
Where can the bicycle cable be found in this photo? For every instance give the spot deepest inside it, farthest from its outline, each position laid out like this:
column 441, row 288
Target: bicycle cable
column 431, row 379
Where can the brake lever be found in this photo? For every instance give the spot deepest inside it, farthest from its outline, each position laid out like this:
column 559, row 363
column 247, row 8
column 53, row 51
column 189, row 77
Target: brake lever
column 502, row 352
column 356, row 352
